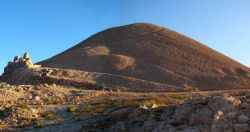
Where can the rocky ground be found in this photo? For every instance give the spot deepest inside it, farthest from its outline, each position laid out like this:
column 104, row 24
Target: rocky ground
column 58, row 100
column 63, row 108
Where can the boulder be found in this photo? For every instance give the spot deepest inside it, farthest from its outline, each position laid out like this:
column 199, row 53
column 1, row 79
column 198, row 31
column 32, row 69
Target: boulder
column 223, row 103
column 243, row 119
column 231, row 115
column 118, row 127
column 120, row 114
column 202, row 117
column 184, row 111
column 241, row 128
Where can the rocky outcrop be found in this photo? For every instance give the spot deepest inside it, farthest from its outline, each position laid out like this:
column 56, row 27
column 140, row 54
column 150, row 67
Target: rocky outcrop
column 19, row 70
column 16, row 115
column 217, row 113
column 20, row 62
column 22, row 71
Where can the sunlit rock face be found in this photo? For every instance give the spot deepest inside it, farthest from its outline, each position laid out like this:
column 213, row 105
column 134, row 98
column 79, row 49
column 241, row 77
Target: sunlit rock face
column 19, row 66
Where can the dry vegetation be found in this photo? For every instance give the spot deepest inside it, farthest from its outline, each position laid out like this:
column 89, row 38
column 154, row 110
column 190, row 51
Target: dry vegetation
column 80, row 109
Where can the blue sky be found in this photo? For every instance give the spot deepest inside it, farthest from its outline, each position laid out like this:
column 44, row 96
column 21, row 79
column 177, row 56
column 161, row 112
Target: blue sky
column 47, row 27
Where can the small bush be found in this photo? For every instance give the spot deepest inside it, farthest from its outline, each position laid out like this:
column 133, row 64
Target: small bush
column 99, row 110
column 88, row 108
column 159, row 111
column 73, row 109
column 157, row 116
column 152, row 101
column 24, row 106
column 48, row 115
column 33, row 119
column 60, row 120
column 189, row 88
column 40, row 125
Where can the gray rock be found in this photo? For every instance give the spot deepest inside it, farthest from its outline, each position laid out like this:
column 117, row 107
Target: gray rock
column 202, row 117
column 120, row 114
column 118, row 127
column 190, row 130
column 163, row 127
column 231, row 115
column 183, row 113
column 241, row 127
column 243, row 119
column 223, row 103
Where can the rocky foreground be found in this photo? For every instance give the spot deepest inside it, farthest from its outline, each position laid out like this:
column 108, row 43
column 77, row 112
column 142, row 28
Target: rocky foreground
column 60, row 108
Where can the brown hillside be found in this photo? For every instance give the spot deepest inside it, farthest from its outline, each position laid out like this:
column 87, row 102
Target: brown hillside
column 156, row 54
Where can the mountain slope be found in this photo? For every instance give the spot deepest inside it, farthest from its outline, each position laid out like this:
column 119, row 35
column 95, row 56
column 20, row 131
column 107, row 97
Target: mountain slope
column 156, row 54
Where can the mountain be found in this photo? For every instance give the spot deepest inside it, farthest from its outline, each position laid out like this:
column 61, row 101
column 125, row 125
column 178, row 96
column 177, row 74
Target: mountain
column 156, row 54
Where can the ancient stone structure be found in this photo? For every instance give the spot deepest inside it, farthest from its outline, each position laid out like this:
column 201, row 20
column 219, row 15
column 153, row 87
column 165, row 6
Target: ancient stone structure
column 18, row 71
column 20, row 62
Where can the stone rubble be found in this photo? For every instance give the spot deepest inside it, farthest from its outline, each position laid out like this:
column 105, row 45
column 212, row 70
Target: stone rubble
column 212, row 114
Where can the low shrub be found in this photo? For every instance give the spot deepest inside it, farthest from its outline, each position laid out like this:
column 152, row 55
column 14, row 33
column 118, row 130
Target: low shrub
column 73, row 109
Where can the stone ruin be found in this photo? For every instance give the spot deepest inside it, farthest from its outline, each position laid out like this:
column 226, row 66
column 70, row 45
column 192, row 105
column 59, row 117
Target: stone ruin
column 20, row 62
column 21, row 71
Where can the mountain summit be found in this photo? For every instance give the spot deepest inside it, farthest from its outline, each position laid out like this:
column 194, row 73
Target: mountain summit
column 156, row 54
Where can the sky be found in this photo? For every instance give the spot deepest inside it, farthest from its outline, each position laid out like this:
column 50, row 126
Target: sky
column 47, row 27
